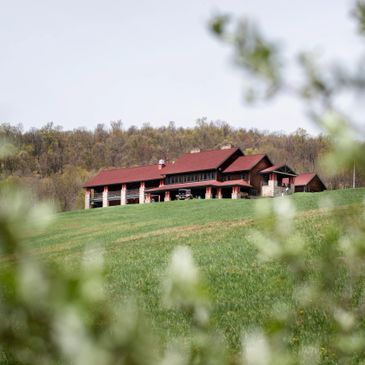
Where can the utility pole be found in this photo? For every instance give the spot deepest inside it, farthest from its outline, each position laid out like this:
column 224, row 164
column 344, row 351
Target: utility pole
column 354, row 177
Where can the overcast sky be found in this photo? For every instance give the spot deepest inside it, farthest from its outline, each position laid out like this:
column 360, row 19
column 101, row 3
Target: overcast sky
column 83, row 62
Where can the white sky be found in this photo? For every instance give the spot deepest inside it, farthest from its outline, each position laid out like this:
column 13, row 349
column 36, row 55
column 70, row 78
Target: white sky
column 82, row 62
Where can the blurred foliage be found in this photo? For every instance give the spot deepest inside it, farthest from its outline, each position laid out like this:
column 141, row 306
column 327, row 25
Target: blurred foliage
column 359, row 13
column 51, row 316
column 332, row 285
column 264, row 67
column 256, row 56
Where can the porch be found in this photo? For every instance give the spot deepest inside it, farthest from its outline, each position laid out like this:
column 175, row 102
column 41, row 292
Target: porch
column 148, row 192
column 112, row 196
column 277, row 180
column 118, row 194
column 212, row 189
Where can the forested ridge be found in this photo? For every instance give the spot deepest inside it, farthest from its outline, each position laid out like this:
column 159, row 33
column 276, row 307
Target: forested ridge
column 54, row 163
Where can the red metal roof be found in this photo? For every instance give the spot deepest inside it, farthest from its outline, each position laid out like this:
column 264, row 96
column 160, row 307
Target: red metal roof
column 272, row 168
column 197, row 184
column 125, row 175
column 233, row 183
column 244, row 163
column 200, row 161
column 276, row 168
column 304, row 179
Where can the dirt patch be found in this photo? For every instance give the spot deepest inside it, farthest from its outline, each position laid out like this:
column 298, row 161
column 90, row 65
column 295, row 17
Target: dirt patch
column 181, row 231
column 184, row 229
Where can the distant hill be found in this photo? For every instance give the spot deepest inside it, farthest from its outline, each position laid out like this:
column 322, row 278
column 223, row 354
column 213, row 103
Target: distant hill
column 55, row 163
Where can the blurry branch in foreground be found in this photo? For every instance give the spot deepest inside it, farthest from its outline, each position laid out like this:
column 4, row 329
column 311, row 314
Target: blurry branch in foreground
column 51, row 316
column 257, row 57
column 329, row 286
column 266, row 70
column 359, row 14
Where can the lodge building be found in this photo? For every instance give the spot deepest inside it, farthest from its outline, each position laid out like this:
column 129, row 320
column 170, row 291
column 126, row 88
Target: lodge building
column 222, row 173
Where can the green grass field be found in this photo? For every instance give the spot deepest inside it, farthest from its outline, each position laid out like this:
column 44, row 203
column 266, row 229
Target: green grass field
column 138, row 239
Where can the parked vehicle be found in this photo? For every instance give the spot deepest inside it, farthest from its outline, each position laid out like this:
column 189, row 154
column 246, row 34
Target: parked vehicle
column 184, row 194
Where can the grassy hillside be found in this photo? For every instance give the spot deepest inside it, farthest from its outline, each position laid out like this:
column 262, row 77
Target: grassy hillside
column 138, row 240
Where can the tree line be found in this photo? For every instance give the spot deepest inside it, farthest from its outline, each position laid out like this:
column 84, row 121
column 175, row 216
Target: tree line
column 54, row 163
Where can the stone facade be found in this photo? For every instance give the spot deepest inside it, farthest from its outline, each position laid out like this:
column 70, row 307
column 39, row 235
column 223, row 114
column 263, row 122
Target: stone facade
column 273, row 190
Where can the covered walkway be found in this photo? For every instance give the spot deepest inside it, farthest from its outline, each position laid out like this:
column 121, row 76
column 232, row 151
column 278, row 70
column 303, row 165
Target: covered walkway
column 202, row 190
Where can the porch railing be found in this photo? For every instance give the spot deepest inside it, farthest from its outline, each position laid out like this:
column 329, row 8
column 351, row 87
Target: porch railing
column 97, row 197
column 114, row 195
column 132, row 193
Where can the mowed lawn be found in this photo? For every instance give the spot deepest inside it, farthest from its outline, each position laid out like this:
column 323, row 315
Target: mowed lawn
column 137, row 241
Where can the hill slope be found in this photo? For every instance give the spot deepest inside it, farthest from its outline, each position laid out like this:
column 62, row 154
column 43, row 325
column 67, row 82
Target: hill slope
column 138, row 240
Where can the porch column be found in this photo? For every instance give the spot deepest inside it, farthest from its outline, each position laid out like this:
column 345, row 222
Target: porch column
column 141, row 193
column 167, row 196
column 291, row 184
column 148, row 198
column 219, row 193
column 162, row 182
column 105, row 197
column 123, row 195
column 208, row 192
column 273, row 183
column 274, row 179
column 234, row 192
column 87, row 198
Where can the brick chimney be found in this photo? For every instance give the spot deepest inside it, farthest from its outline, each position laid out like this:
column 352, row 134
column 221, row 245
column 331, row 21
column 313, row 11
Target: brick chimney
column 227, row 146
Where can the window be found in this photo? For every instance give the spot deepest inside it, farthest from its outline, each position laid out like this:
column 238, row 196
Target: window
column 265, row 180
